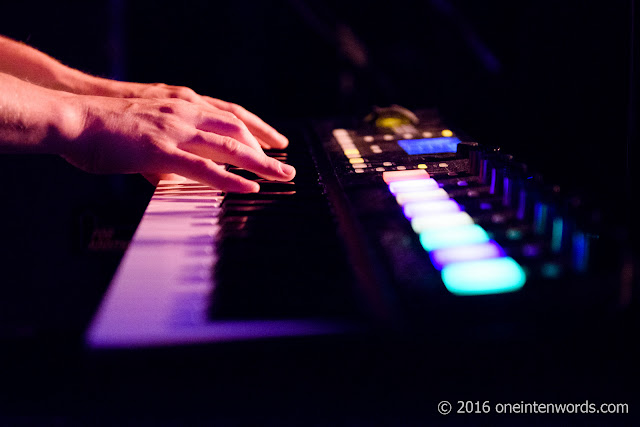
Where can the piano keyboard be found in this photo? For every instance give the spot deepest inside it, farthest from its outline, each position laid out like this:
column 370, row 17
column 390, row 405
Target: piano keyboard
column 207, row 267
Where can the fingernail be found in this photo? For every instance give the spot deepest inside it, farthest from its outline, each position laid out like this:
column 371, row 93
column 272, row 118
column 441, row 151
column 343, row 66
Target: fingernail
column 287, row 169
column 253, row 187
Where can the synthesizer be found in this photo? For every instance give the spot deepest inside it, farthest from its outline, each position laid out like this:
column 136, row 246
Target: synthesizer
column 396, row 223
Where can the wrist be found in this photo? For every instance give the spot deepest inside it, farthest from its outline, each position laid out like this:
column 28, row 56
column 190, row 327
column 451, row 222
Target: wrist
column 66, row 122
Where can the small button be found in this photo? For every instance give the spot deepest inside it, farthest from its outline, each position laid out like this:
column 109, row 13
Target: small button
column 514, row 234
column 531, row 250
column 344, row 140
column 498, row 218
column 551, row 270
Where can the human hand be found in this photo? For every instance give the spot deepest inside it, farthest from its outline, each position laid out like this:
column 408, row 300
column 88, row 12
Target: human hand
column 160, row 136
column 266, row 135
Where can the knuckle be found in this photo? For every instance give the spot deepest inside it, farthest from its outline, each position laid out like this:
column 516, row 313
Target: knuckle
column 228, row 116
column 273, row 164
column 236, row 109
column 230, row 145
column 236, row 125
column 184, row 92
column 200, row 164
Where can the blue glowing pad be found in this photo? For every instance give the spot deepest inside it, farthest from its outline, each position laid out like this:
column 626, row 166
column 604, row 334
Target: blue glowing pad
column 430, row 145
column 488, row 276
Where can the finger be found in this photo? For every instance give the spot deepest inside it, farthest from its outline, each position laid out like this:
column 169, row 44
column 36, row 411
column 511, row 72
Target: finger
column 228, row 125
column 264, row 145
column 207, row 172
column 255, row 124
column 227, row 150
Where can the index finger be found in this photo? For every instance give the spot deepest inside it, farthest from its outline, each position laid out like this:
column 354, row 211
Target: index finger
column 207, row 172
column 228, row 150
column 256, row 125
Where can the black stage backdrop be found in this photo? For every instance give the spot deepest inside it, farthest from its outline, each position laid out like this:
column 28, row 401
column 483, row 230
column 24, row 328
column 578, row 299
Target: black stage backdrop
column 547, row 79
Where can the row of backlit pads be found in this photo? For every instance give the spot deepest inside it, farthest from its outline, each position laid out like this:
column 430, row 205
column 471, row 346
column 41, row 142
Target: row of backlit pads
column 470, row 263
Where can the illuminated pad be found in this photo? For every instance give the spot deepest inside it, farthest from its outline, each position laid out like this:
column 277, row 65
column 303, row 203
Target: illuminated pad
column 439, row 221
column 405, row 175
column 429, row 145
column 427, row 208
column 421, row 196
column 412, row 185
column 455, row 236
column 489, row 276
column 445, row 256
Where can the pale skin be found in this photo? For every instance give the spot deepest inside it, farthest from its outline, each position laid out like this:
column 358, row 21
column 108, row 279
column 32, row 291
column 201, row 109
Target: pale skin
column 107, row 126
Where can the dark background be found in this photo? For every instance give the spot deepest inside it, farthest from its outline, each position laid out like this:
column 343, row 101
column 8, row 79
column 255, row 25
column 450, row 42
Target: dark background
column 547, row 80
column 532, row 68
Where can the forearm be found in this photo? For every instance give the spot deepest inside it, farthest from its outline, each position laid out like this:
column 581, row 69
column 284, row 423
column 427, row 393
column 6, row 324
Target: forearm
column 34, row 119
column 29, row 64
